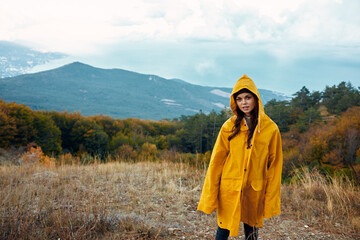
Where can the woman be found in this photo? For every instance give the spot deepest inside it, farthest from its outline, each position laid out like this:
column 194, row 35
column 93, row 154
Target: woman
column 243, row 180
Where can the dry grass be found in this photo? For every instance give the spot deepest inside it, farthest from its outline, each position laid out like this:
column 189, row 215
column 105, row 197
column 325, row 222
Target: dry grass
column 150, row 201
column 332, row 204
column 111, row 201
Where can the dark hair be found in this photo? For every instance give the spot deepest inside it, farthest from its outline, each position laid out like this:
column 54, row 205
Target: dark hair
column 240, row 115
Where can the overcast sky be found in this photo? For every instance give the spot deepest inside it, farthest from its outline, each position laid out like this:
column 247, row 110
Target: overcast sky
column 282, row 45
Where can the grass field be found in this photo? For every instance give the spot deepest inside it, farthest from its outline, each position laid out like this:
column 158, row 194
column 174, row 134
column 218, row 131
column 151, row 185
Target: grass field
column 156, row 200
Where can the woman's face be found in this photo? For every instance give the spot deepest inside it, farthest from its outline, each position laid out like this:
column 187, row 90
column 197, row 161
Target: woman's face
column 246, row 102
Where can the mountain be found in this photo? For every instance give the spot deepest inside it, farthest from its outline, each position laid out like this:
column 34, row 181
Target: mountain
column 115, row 92
column 16, row 59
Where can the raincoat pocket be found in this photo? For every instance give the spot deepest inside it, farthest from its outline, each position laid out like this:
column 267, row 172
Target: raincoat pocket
column 229, row 191
column 257, row 184
column 229, row 198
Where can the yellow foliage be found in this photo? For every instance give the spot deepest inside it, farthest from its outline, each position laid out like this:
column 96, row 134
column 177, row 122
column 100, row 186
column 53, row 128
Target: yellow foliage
column 148, row 151
column 36, row 156
column 292, row 157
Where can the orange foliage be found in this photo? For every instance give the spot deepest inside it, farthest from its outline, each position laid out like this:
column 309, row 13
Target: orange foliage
column 334, row 144
column 36, row 156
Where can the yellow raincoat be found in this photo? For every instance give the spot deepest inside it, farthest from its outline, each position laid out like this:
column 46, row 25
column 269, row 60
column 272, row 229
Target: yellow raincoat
column 244, row 184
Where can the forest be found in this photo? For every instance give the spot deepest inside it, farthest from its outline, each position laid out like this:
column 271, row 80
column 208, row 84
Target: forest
column 319, row 129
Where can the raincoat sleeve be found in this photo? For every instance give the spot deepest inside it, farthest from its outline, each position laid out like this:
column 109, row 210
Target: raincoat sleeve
column 273, row 181
column 209, row 196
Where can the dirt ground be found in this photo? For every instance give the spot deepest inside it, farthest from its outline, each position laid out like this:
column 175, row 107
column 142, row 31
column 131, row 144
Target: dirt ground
column 280, row 227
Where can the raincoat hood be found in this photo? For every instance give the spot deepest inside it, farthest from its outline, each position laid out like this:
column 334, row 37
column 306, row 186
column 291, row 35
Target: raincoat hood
column 248, row 83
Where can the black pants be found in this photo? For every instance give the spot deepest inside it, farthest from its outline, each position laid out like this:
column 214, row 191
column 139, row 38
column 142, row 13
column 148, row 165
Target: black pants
column 251, row 233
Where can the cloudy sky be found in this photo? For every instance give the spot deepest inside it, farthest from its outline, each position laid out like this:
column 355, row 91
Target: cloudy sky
column 283, row 45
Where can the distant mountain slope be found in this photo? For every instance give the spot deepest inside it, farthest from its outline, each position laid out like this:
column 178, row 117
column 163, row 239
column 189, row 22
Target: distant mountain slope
column 16, row 59
column 114, row 92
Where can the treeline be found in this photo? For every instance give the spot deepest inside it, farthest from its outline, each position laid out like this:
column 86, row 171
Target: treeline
column 64, row 132
column 303, row 109
column 320, row 129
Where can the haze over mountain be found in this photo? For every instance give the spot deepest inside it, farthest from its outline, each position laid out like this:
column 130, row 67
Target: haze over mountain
column 16, row 59
column 115, row 92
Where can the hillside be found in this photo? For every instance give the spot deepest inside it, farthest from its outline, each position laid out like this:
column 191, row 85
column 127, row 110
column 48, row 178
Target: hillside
column 115, row 92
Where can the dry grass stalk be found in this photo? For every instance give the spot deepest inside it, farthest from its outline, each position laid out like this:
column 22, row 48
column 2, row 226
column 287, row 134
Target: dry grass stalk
column 331, row 203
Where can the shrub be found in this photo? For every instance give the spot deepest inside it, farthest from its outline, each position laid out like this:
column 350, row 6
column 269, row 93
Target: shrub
column 36, row 156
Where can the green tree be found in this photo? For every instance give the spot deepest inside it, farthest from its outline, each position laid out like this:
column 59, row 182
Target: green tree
column 88, row 134
column 161, row 142
column 310, row 116
column 65, row 122
column 48, row 135
column 199, row 132
column 119, row 140
column 339, row 98
column 110, row 126
column 303, row 99
column 280, row 113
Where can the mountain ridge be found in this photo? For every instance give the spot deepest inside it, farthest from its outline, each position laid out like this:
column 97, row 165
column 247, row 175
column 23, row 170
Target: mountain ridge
column 115, row 92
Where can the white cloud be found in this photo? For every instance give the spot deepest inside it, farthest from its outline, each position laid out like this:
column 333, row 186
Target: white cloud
column 205, row 66
column 81, row 26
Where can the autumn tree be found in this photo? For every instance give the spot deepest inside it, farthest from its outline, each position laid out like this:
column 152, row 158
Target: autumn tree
column 125, row 152
column 7, row 128
column 148, row 151
column 335, row 144
column 349, row 128
column 24, row 118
